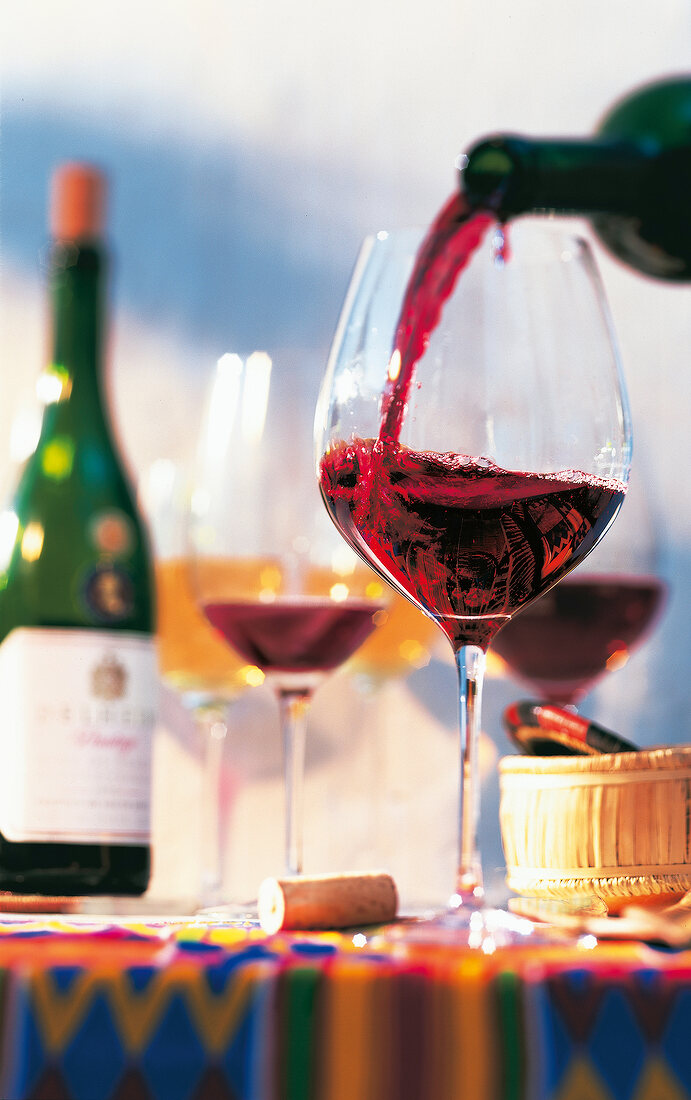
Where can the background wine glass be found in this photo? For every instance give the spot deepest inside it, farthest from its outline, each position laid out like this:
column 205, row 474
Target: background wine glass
column 514, row 443
column 403, row 643
column 193, row 661
column 562, row 645
column 291, row 598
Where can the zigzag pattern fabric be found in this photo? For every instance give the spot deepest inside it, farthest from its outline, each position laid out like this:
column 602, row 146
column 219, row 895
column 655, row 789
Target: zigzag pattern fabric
column 188, row 1011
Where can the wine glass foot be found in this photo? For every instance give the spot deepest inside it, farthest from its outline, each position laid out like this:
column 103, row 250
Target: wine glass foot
column 483, row 927
column 244, row 914
column 477, row 926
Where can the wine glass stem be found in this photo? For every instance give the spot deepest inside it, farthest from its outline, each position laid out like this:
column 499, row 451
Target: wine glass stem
column 470, row 663
column 212, row 724
column 293, row 707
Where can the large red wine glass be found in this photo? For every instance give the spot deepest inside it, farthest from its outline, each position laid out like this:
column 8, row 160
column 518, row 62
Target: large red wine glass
column 270, row 573
column 473, row 437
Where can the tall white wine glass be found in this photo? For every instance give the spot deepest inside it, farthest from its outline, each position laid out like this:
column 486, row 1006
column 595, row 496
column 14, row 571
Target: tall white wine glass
column 473, row 441
column 271, row 575
column 194, row 663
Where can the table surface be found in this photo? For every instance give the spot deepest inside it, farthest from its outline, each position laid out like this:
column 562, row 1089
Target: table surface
column 191, row 1009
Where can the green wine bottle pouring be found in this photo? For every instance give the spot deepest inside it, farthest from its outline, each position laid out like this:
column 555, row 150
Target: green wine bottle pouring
column 633, row 179
column 77, row 663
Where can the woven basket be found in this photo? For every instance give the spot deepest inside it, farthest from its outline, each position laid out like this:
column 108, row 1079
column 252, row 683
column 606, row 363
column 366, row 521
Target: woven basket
column 615, row 827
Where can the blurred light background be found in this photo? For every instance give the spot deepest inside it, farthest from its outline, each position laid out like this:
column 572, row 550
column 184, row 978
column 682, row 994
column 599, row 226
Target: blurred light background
column 250, row 147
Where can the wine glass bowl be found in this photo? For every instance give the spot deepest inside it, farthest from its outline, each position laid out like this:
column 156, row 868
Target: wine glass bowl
column 296, row 633
column 192, row 659
column 473, row 435
column 564, row 644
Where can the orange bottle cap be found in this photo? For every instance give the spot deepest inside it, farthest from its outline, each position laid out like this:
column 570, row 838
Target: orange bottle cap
column 77, row 207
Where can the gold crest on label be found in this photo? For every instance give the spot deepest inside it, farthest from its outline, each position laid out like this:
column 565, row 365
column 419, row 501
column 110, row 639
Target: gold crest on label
column 109, row 678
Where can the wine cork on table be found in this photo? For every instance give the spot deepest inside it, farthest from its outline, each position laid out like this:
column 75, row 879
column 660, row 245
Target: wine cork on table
column 314, row 902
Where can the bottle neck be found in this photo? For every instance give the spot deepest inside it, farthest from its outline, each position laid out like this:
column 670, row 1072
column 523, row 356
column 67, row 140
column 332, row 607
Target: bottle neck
column 511, row 175
column 78, row 318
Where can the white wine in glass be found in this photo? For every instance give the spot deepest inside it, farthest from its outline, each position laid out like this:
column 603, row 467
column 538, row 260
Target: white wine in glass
column 193, row 661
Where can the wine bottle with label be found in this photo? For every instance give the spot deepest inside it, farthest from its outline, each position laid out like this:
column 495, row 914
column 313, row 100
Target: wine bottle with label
column 77, row 664
column 633, row 179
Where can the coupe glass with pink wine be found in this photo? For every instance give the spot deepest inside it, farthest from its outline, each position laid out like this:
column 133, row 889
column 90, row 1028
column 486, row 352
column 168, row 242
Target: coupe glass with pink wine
column 473, row 442
column 270, row 573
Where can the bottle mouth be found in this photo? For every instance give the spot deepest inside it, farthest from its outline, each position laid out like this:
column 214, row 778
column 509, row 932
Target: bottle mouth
column 510, row 174
column 491, row 178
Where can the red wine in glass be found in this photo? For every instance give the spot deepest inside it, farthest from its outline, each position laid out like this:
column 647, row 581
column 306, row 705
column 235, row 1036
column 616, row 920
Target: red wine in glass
column 471, row 544
column 561, row 645
column 294, row 635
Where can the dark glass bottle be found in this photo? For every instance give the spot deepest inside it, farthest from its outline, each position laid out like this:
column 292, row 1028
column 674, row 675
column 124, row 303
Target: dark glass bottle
column 633, row 180
column 77, row 663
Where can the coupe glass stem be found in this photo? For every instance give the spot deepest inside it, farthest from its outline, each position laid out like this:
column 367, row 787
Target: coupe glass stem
column 470, row 663
column 212, row 725
column 293, row 708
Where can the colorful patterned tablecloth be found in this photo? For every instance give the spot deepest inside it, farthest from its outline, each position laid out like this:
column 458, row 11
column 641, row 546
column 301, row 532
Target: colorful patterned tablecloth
column 95, row 1010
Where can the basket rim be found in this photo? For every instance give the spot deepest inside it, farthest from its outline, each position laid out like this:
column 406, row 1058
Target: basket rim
column 536, row 882
column 662, row 758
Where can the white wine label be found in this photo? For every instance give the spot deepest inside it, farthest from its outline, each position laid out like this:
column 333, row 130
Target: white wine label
column 77, row 711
